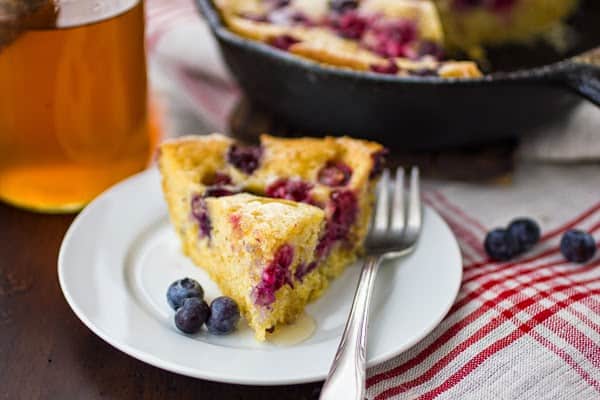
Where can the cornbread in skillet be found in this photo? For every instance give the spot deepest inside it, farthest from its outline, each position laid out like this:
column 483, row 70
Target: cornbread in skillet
column 469, row 25
column 397, row 37
column 271, row 224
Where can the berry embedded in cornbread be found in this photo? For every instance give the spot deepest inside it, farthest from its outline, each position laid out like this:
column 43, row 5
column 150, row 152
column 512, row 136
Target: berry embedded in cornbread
column 471, row 24
column 271, row 224
column 398, row 37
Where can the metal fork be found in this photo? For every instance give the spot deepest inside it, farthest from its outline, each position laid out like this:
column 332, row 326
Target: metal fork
column 394, row 232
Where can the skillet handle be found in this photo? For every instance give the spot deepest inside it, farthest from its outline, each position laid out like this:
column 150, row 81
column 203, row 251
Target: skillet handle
column 582, row 75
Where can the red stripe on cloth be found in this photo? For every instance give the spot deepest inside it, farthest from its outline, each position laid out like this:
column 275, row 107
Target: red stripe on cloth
column 500, row 264
column 453, row 330
column 169, row 17
column 592, row 304
column 489, row 284
column 459, row 227
column 551, row 234
column 475, row 274
column 458, row 211
column 155, row 13
column 566, row 358
column 503, row 266
column 570, row 333
column 156, row 32
column 500, row 344
column 572, row 224
column 459, row 231
column 207, row 93
column 163, row 16
column 496, row 282
column 167, row 4
column 520, row 264
column 215, row 98
column 568, row 274
column 166, row 17
column 478, row 360
column 478, row 226
column 593, row 325
column 579, row 340
column 523, row 270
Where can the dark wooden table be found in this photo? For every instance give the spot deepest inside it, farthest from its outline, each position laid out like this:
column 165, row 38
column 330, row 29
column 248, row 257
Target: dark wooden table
column 47, row 353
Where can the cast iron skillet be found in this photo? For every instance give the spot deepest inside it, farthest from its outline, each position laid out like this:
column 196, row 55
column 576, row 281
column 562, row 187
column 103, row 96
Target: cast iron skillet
column 528, row 88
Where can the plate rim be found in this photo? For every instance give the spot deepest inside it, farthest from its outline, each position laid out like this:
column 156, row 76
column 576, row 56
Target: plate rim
column 170, row 366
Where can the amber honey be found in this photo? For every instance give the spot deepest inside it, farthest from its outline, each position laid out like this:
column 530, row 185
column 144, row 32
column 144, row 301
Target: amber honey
column 73, row 105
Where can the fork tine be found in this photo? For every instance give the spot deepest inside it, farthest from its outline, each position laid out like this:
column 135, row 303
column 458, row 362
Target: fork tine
column 398, row 214
column 381, row 218
column 414, row 204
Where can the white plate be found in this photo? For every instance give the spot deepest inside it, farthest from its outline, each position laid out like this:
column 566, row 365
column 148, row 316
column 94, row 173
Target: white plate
column 120, row 254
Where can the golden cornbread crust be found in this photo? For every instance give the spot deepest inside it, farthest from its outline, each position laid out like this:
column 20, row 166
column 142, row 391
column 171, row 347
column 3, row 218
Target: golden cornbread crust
column 324, row 46
column 459, row 28
column 248, row 229
column 527, row 21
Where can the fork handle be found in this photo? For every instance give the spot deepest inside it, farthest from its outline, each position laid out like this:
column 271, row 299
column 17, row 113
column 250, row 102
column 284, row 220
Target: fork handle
column 346, row 379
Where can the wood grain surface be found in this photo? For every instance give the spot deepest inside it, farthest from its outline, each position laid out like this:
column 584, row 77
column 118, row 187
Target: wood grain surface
column 47, row 353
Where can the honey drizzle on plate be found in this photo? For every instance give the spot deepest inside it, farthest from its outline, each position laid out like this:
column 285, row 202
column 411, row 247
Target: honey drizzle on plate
column 297, row 332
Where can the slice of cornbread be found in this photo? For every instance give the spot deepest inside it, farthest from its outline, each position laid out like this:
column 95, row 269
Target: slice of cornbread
column 253, row 237
column 271, row 224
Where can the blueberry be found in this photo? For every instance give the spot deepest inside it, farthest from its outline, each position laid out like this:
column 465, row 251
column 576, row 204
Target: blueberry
column 221, row 178
column 275, row 4
column 335, row 173
column 200, row 214
column 282, row 42
column 423, row 72
column 350, row 25
column 191, row 315
column 343, row 5
column 220, row 191
column 577, row 246
column 183, row 289
column 430, row 48
column 245, row 158
column 378, row 163
column 462, row 5
column 224, row 316
column 526, row 232
column 390, row 68
column 274, row 276
column 500, row 245
column 342, row 212
column 295, row 190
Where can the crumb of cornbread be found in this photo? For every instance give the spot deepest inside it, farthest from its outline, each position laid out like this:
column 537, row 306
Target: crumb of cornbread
column 248, row 229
